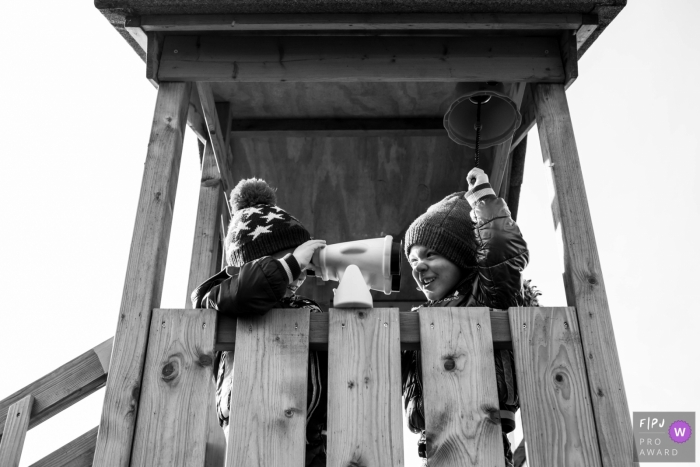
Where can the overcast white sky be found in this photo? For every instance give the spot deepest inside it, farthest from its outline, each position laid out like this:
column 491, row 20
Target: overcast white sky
column 75, row 125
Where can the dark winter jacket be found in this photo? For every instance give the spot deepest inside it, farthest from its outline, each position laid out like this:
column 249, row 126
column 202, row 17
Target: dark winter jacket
column 495, row 283
column 254, row 289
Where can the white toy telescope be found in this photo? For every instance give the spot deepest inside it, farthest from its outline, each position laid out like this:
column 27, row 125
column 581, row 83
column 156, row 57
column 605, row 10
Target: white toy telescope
column 359, row 266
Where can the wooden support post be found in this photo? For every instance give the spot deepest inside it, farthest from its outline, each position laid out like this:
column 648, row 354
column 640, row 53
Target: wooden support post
column 205, row 262
column 206, row 231
column 558, row 423
column 219, row 133
column 462, row 415
column 171, row 430
column 364, row 388
column 16, row 426
column 144, row 276
column 583, row 278
column 77, row 453
column 64, row 386
column 268, row 399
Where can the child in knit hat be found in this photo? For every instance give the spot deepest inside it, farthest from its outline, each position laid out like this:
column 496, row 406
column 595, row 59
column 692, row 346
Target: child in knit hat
column 466, row 251
column 267, row 251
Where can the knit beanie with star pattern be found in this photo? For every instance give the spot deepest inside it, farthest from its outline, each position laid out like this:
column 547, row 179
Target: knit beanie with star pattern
column 259, row 227
column 448, row 228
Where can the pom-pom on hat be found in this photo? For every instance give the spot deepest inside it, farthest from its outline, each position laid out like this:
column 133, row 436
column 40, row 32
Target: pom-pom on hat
column 259, row 227
column 447, row 228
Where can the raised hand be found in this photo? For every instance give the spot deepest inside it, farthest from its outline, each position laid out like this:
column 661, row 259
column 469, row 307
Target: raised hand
column 304, row 252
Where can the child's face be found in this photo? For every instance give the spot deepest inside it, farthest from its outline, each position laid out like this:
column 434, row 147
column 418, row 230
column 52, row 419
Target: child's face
column 435, row 275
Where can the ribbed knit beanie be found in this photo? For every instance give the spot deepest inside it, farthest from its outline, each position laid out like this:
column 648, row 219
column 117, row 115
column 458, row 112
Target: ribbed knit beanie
column 259, row 227
column 447, row 228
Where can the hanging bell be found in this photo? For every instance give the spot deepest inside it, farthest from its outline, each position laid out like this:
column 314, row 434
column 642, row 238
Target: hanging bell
column 499, row 113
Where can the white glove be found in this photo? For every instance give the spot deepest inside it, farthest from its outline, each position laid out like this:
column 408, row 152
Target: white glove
column 476, row 177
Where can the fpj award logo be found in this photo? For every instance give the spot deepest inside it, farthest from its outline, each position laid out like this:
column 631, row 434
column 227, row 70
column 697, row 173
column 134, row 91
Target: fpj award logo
column 664, row 436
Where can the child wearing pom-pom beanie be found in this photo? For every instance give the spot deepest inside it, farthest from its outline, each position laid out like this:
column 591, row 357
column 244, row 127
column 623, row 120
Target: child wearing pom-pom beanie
column 267, row 251
column 466, row 251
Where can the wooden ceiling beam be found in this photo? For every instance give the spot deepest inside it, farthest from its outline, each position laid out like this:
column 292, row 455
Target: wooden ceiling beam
column 363, row 59
column 353, row 23
column 322, row 127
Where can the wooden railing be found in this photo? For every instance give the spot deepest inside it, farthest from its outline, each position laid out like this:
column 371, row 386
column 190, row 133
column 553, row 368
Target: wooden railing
column 364, row 388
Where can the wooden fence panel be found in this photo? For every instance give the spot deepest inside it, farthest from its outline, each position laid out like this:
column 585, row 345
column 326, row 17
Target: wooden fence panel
column 558, row 423
column 77, row 453
column 364, row 388
column 16, row 425
column 462, row 415
column 268, row 399
column 171, row 429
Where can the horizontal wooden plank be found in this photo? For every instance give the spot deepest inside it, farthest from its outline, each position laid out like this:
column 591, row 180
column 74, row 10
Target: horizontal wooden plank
column 408, row 325
column 376, row 59
column 77, row 453
column 64, row 386
column 356, row 23
column 321, row 127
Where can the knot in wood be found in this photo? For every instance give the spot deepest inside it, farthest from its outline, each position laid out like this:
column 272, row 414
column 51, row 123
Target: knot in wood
column 449, row 364
column 559, row 378
column 361, row 315
column 205, row 360
column 170, row 371
column 289, row 413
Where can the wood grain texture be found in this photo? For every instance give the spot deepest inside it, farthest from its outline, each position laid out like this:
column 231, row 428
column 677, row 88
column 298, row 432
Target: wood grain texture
column 206, row 230
column 364, row 388
column 351, row 23
column 77, row 453
column 569, row 56
column 583, row 277
column 462, row 415
column 64, row 386
column 257, row 101
column 218, row 134
column 408, row 323
column 555, row 403
column 172, row 425
column 339, row 59
column 195, row 117
column 153, row 51
column 16, row 426
column 322, row 127
column 205, row 262
column 268, row 399
column 144, row 277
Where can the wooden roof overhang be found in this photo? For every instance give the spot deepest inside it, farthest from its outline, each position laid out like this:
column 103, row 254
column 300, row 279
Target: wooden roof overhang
column 343, row 111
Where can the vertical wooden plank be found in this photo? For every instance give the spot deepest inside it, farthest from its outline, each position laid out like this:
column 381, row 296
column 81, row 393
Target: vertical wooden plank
column 364, row 388
column 583, row 277
column 144, row 276
column 206, row 230
column 16, row 425
column 268, row 399
column 569, row 56
column 554, row 400
column 462, row 416
column 206, row 260
column 171, row 429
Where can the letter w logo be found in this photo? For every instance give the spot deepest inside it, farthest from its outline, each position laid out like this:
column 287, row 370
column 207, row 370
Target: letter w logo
column 679, row 431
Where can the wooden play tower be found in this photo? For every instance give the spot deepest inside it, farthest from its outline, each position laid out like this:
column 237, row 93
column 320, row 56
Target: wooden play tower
column 339, row 105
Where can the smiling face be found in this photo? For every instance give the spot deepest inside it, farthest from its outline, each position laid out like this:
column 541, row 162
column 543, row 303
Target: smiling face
column 435, row 275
